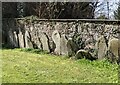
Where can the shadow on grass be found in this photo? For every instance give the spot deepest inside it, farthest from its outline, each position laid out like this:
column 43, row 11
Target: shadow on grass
column 6, row 46
column 32, row 50
column 39, row 51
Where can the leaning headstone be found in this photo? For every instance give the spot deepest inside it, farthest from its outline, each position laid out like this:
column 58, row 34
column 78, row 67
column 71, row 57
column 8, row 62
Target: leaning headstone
column 45, row 42
column 52, row 46
column 113, row 46
column 101, row 47
column 38, row 43
column 63, row 45
column 28, row 43
column 36, row 40
column 15, row 38
column 21, row 40
column 10, row 38
column 84, row 54
column 56, row 39
column 71, row 47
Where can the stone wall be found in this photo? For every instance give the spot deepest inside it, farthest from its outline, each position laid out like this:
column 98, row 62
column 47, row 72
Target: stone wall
column 55, row 35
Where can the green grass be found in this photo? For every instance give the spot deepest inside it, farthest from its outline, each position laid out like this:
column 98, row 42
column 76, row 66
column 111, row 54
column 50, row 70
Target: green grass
column 21, row 66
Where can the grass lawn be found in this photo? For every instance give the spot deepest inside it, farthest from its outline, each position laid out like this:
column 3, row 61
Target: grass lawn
column 26, row 67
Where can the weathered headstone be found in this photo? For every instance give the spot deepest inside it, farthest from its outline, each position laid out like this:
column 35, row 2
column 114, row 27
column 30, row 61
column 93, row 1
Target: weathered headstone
column 113, row 46
column 15, row 38
column 28, row 43
column 52, row 46
column 10, row 38
column 72, row 47
column 21, row 40
column 101, row 47
column 45, row 42
column 84, row 54
column 63, row 44
column 56, row 39
column 38, row 42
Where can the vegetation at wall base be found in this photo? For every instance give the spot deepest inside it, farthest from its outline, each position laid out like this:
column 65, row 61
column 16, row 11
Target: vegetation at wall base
column 32, row 50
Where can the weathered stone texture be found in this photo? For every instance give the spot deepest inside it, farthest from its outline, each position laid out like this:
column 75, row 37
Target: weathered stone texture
column 28, row 43
column 101, row 47
column 21, row 40
column 71, row 47
column 45, row 42
column 113, row 46
column 10, row 39
column 84, row 54
column 15, row 38
column 63, row 45
column 56, row 39
column 60, row 37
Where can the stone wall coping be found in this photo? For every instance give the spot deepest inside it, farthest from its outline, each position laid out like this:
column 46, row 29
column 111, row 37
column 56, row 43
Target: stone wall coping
column 74, row 20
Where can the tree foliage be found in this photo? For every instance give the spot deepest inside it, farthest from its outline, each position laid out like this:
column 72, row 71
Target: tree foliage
column 9, row 9
column 50, row 10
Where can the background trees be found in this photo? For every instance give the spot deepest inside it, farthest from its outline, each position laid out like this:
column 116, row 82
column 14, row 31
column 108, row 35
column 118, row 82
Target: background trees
column 60, row 10
column 49, row 10
column 9, row 9
column 117, row 12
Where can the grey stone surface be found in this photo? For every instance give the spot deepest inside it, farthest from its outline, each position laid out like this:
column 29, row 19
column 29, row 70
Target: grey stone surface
column 45, row 41
column 84, row 54
column 71, row 47
column 113, row 46
column 63, row 45
column 85, row 28
column 52, row 46
column 101, row 47
column 15, row 38
column 38, row 43
column 28, row 43
column 56, row 39
column 10, row 38
column 21, row 40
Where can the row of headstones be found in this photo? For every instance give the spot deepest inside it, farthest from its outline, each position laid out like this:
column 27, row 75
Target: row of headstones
column 64, row 46
column 67, row 46
column 104, row 48
column 108, row 48
column 24, row 40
